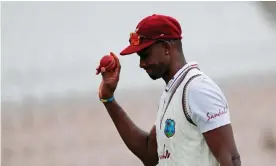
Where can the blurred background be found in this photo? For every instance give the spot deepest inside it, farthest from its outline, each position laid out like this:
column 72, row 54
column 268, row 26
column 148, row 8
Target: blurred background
column 50, row 112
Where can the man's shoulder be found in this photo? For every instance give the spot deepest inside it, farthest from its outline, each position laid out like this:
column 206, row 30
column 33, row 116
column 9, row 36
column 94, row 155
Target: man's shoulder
column 207, row 103
column 205, row 90
column 203, row 83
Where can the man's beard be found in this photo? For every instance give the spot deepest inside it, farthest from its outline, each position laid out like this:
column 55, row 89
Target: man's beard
column 153, row 77
column 157, row 73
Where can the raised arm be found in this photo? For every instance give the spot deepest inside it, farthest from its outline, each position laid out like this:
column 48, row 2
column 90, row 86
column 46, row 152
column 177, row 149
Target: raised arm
column 139, row 142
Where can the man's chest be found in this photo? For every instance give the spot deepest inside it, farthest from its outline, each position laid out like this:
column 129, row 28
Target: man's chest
column 169, row 112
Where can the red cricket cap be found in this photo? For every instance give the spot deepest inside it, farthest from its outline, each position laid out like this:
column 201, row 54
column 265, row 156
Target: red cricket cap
column 150, row 30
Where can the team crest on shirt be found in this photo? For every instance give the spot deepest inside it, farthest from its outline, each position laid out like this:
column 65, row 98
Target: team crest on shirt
column 169, row 129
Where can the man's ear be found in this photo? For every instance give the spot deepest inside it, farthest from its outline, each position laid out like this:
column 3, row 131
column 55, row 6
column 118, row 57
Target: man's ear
column 168, row 47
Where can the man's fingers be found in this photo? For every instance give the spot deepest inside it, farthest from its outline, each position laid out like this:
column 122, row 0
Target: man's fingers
column 103, row 69
column 118, row 64
column 98, row 70
column 116, row 59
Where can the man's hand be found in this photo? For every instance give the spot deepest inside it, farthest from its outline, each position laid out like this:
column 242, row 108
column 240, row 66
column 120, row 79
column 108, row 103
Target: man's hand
column 110, row 79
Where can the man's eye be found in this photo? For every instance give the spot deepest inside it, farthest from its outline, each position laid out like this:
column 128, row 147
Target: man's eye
column 143, row 56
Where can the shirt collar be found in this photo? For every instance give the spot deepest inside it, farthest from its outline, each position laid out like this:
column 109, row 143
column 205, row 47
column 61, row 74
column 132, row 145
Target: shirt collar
column 179, row 73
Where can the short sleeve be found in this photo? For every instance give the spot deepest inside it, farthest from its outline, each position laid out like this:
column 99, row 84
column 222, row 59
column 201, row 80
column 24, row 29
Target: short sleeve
column 208, row 105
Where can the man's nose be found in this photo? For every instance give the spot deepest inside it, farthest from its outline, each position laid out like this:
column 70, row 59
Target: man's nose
column 142, row 63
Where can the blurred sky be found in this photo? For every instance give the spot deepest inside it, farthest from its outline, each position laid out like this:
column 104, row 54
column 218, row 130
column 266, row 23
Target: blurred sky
column 51, row 48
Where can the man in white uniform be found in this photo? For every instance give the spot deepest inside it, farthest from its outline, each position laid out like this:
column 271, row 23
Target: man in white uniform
column 193, row 126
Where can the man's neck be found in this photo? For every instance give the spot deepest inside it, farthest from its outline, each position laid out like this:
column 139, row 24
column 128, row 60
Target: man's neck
column 174, row 69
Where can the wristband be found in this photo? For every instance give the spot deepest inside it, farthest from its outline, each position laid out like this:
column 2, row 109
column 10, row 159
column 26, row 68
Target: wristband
column 107, row 100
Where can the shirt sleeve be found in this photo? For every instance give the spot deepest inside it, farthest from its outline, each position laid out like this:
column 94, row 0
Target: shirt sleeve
column 208, row 105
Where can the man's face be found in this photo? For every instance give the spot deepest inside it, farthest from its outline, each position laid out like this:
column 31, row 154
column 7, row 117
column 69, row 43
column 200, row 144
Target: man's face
column 154, row 60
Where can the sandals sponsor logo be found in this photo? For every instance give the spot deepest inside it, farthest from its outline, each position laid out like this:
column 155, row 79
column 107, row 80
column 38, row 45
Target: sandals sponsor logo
column 211, row 115
column 165, row 153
